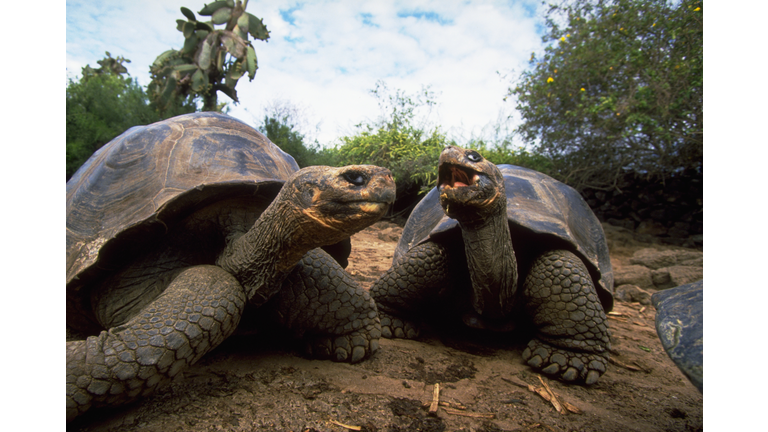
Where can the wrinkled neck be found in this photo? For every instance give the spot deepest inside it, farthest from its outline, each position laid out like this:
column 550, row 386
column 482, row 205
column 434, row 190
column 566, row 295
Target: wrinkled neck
column 491, row 263
column 261, row 258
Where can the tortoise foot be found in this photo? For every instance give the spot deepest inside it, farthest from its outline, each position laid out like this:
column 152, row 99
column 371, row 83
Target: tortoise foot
column 393, row 327
column 570, row 366
column 350, row 348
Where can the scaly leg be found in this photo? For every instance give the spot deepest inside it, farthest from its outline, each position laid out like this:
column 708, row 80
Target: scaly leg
column 321, row 301
column 197, row 311
column 572, row 334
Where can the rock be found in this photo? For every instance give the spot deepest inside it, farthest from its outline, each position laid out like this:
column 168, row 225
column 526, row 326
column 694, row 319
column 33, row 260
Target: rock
column 653, row 258
column 670, row 268
column 694, row 241
column 652, row 228
column 680, row 326
column 690, row 258
column 681, row 275
column 661, row 278
column 632, row 293
column 624, row 223
column 637, row 275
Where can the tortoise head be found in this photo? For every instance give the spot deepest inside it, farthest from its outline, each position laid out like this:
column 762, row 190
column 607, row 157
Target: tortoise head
column 341, row 201
column 471, row 187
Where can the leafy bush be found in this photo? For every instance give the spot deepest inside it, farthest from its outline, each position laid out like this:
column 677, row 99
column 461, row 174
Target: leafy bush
column 413, row 161
column 401, row 140
column 619, row 88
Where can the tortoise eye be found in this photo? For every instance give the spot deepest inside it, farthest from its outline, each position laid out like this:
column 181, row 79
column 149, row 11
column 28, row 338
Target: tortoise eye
column 355, row 177
column 474, row 156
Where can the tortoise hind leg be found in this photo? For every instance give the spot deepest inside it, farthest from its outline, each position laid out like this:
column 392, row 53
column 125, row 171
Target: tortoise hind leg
column 321, row 302
column 197, row 311
column 572, row 337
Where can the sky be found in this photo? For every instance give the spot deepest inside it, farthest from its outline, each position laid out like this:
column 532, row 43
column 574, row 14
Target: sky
column 324, row 57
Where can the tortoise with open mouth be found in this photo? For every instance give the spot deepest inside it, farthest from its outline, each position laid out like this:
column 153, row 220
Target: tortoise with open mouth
column 504, row 248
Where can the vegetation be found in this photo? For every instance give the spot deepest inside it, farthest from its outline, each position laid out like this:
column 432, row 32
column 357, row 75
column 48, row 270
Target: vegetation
column 101, row 105
column 396, row 141
column 212, row 60
column 281, row 127
column 618, row 89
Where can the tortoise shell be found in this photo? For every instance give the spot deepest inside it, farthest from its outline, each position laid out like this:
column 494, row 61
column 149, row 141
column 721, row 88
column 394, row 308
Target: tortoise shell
column 140, row 183
column 537, row 204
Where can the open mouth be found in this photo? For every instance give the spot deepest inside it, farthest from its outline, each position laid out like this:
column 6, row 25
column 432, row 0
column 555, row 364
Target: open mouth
column 451, row 175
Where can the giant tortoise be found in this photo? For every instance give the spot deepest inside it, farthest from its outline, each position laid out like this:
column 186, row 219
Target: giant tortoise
column 177, row 229
column 503, row 248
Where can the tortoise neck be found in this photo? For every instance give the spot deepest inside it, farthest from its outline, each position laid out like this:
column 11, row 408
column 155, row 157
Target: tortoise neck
column 261, row 258
column 491, row 263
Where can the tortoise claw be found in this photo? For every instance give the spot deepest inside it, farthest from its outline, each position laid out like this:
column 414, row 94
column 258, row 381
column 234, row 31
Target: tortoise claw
column 347, row 348
column 575, row 366
column 392, row 327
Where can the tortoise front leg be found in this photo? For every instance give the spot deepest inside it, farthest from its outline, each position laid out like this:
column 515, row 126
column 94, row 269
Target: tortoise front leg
column 322, row 302
column 572, row 334
column 198, row 310
column 411, row 282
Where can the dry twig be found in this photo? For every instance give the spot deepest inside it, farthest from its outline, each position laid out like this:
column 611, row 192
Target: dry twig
column 470, row 414
column 554, row 400
column 435, row 400
column 355, row 428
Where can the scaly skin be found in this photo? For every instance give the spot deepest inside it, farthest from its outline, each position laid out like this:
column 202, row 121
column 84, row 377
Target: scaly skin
column 203, row 304
column 200, row 309
column 572, row 334
column 558, row 295
column 322, row 302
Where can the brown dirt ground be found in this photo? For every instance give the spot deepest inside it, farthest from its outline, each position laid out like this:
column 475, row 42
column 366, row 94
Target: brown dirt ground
column 250, row 383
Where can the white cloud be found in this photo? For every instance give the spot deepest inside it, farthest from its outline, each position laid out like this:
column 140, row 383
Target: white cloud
column 326, row 55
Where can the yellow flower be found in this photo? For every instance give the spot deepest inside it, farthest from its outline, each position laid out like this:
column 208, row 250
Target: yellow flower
column 568, row 35
column 550, row 79
column 562, row 38
column 654, row 25
column 618, row 114
column 582, row 89
column 697, row 9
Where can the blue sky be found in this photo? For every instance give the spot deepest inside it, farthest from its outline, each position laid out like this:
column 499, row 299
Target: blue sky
column 324, row 57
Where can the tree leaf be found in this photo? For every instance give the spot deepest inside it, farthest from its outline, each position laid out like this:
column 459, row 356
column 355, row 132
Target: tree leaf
column 251, row 63
column 185, row 67
column 220, row 57
column 190, row 45
column 199, row 81
column 188, row 13
column 222, row 15
column 209, row 9
column 234, row 43
column 188, row 29
column 256, row 28
column 163, row 57
column 243, row 22
column 229, row 91
column 200, row 25
column 170, row 86
column 204, row 58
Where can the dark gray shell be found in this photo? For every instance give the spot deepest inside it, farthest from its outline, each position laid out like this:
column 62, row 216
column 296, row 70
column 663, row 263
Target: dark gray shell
column 680, row 326
column 538, row 203
column 135, row 184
